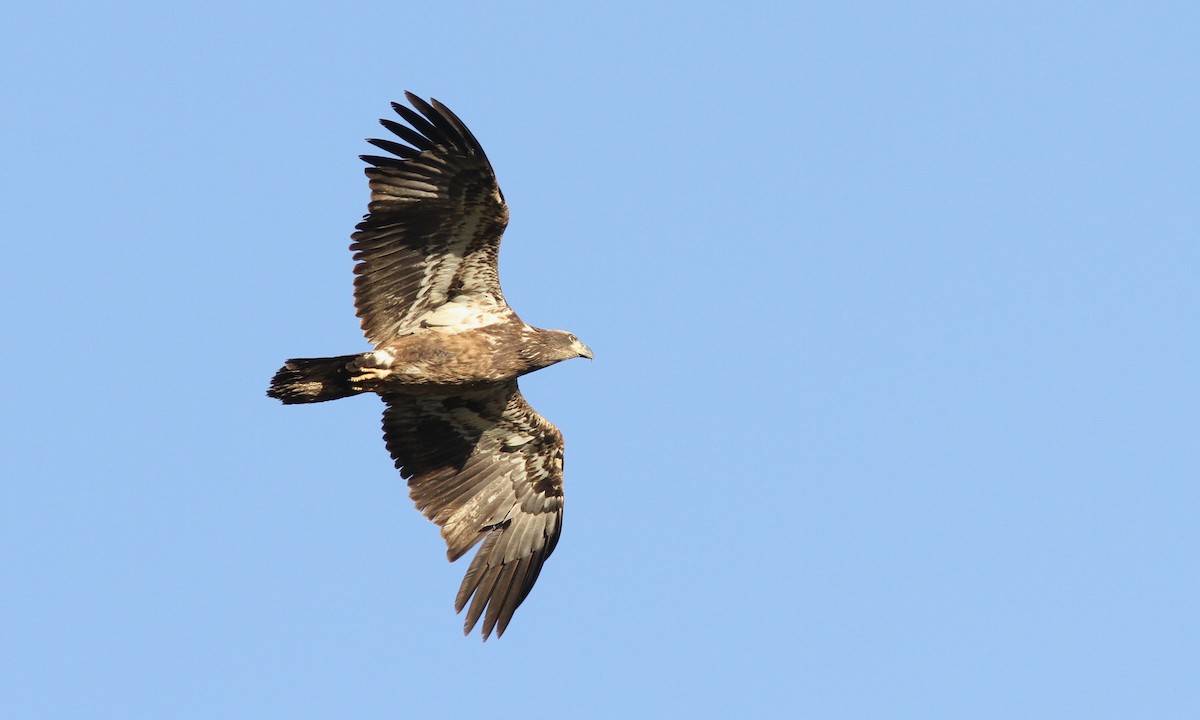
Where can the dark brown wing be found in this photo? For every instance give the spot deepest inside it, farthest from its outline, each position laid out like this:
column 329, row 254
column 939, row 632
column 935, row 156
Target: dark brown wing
column 484, row 466
column 433, row 226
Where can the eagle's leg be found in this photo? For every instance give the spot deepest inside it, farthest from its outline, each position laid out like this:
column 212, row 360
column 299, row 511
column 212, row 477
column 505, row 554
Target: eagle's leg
column 371, row 368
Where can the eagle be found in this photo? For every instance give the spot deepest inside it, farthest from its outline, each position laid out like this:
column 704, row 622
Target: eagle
column 480, row 462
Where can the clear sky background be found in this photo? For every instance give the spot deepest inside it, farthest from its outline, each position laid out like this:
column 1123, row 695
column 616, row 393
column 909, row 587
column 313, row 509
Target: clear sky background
column 895, row 410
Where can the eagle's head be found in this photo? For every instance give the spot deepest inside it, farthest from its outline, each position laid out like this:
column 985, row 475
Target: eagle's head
column 555, row 346
column 579, row 348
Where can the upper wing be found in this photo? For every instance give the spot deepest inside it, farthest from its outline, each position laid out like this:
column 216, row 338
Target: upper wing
column 433, row 226
column 484, row 466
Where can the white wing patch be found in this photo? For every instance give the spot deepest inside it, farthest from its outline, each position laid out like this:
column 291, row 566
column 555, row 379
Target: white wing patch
column 464, row 312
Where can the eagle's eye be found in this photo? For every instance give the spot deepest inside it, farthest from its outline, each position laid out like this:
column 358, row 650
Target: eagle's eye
column 572, row 338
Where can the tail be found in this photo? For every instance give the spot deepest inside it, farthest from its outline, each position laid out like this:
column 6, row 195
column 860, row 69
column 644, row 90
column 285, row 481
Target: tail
column 312, row 380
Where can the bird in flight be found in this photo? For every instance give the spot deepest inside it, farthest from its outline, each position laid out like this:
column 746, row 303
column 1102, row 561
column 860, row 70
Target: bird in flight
column 480, row 462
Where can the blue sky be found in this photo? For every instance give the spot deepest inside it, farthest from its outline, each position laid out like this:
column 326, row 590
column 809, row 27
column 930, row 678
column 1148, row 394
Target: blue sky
column 895, row 406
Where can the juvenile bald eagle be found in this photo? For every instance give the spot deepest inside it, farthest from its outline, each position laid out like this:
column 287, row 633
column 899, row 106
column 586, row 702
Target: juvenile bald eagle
column 480, row 462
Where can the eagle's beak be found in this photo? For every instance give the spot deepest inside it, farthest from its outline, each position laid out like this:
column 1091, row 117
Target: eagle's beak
column 585, row 351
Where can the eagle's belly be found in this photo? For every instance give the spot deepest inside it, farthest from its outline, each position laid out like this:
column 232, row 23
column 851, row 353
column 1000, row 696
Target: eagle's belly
column 429, row 362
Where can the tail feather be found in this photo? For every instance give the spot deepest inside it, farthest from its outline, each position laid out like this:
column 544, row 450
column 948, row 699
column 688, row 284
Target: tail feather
column 312, row 380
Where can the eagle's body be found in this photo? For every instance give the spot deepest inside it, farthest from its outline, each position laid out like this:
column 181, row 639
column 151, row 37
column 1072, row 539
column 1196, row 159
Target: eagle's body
column 448, row 350
column 429, row 362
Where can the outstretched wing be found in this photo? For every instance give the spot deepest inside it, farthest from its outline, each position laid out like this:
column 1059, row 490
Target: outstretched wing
column 432, row 232
column 484, row 466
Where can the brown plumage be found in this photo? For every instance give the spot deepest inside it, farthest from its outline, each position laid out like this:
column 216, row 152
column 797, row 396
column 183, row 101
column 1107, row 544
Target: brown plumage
column 479, row 461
